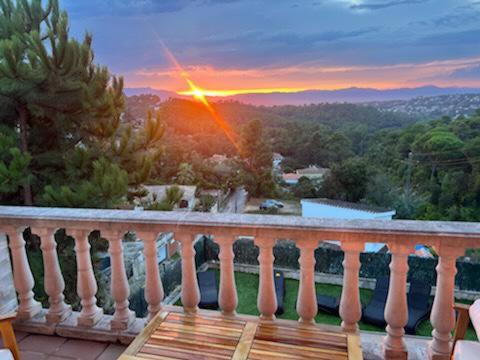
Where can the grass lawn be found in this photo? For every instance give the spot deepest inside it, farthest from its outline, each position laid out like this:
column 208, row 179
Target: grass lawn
column 247, row 287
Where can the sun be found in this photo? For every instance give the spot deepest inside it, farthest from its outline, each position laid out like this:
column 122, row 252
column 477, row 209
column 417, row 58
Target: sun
column 198, row 93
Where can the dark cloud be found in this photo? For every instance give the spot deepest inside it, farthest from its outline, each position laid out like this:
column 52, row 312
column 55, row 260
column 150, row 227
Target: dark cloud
column 379, row 6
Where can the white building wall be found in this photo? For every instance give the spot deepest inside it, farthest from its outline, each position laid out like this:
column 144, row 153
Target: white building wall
column 311, row 209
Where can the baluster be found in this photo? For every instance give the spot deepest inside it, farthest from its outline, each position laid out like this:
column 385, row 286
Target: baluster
column 153, row 282
column 350, row 307
column 396, row 309
column 54, row 283
column 123, row 316
column 267, row 297
column 442, row 317
column 307, row 307
column 22, row 276
column 228, row 300
column 190, row 290
column 86, row 284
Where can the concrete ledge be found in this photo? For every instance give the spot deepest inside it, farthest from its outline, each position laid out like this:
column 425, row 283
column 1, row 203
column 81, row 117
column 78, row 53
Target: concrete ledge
column 196, row 221
column 68, row 328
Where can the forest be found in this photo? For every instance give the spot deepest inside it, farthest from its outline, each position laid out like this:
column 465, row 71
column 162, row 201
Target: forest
column 425, row 169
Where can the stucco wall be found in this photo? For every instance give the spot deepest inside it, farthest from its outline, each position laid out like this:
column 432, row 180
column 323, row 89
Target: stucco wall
column 311, row 209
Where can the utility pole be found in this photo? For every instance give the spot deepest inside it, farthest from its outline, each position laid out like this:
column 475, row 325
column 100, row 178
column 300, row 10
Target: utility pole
column 408, row 181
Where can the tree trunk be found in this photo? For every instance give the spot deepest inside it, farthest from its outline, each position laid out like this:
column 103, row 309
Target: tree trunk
column 23, row 118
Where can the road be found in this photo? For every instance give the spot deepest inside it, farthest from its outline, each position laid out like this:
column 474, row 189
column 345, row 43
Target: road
column 236, row 201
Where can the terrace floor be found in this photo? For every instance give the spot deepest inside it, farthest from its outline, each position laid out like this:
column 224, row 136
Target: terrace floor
column 44, row 347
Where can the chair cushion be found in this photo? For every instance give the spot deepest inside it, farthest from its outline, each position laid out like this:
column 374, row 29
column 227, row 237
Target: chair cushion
column 466, row 350
column 474, row 313
column 5, row 354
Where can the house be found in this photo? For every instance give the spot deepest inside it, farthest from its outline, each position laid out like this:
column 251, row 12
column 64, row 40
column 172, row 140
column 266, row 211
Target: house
column 277, row 159
column 291, row 178
column 335, row 209
column 313, row 172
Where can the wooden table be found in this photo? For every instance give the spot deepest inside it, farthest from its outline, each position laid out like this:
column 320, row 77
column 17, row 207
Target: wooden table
column 210, row 335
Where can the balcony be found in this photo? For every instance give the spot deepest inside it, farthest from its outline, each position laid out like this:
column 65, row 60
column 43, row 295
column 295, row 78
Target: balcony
column 90, row 323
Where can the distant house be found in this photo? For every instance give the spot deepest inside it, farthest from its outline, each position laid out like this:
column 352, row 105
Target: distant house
column 277, row 160
column 335, row 209
column 186, row 203
column 313, row 172
column 291, row 178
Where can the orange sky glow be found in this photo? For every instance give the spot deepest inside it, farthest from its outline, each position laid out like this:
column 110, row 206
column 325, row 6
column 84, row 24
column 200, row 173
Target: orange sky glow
column 307, row 76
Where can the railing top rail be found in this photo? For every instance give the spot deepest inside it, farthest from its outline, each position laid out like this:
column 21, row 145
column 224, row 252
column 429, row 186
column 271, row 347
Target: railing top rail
column 20, row 215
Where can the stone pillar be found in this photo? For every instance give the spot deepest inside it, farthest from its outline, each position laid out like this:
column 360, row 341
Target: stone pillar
column 123, row 316
column 350, row 307
column 228, row 300
column 53, row 280
column 267, row 297
column 22, row 276
column 396, row 309
column 86, row 283
column 8, row 296
column 190, row 290
column 442, row 316
column 153, row 282
column 307, row 307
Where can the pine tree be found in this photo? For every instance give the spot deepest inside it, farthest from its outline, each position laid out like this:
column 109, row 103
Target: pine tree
column 62, row 102
column 257, row 160
column 13, row 164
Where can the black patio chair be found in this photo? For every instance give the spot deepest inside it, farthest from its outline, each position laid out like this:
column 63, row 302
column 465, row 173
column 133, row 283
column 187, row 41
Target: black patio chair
column 373, row 313
column 279, row 290
column 328, row 304
column 207, row 283
column 419, row 306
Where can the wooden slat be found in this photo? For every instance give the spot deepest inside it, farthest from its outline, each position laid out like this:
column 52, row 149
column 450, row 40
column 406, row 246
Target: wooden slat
column 182, row 353
column 137, row 344
column 354, row 348
column 287, row 348
column 245, row 343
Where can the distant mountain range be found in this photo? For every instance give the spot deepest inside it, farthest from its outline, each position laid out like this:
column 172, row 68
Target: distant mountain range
column 350, row 95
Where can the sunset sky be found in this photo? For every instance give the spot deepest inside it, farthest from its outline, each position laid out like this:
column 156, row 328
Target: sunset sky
column 286, row 45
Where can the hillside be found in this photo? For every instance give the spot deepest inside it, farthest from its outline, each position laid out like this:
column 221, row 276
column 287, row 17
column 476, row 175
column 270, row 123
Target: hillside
column 349, row 95
column 434, row 106
column 191, row 117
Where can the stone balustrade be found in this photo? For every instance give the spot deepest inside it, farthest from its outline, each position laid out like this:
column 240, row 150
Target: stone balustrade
column 450, row 239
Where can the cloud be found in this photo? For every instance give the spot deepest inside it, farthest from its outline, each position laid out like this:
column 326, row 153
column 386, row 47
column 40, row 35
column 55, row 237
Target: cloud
column 124, row 7
column 135, row 7
column 320, row 37
column 384, row 5
column 454, row 38
column 467, row 73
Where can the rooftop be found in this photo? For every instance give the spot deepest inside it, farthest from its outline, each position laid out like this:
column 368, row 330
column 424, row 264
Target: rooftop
column 312, row 170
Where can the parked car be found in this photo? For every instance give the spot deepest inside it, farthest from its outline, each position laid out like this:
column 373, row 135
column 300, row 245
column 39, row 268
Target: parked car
column 270, row 203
